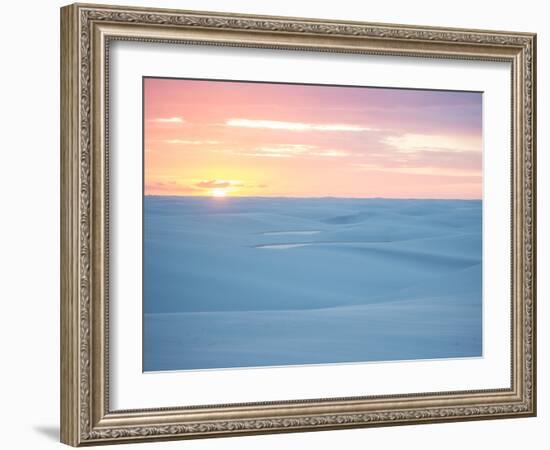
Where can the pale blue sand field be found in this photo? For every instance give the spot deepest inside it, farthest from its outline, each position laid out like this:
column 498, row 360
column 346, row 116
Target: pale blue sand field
column 247, row 282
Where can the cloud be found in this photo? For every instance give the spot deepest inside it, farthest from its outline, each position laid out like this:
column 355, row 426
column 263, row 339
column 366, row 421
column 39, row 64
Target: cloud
column 217, row 184
column 422, row 170
column 190, row 142
column 176, row 187
column 161, row 184
column 411, row 143
column 173, row 120
column 293, row 150
column 169, row 187
column 282, row 150
column 294, row 126
column 332, row 153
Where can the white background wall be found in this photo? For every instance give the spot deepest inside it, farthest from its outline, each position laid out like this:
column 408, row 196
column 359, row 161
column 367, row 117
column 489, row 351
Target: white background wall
column 29, row 223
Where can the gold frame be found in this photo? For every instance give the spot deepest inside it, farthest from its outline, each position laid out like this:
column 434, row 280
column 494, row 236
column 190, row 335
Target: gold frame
column 86, row 31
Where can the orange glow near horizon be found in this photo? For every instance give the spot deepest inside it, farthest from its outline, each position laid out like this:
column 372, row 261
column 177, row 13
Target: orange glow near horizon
column 231, row 139
column 218, row 193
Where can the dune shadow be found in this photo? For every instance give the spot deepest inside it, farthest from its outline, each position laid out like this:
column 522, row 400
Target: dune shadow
column 348, row 219
column 297, row 232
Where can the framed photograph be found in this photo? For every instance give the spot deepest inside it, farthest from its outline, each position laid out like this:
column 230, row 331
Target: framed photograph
column 275, row 224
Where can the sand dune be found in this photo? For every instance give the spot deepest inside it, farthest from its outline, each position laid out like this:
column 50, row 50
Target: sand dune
column 286, row 233
column 240, row 282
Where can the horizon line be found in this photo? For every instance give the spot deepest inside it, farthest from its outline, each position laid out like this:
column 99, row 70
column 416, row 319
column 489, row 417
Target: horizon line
column 308, row 197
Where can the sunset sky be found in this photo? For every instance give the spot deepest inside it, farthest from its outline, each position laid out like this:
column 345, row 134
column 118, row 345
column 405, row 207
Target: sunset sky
column 219, row 138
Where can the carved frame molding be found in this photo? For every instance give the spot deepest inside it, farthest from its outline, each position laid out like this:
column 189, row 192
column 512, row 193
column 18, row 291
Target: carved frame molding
column 86, row 32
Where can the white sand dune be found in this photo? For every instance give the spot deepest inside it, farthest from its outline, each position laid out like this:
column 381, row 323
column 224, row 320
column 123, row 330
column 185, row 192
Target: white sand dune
column 283, row 246
column 286, row 233
column 240, row 282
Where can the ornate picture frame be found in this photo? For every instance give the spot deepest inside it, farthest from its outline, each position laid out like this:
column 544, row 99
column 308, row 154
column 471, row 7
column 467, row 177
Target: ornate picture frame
column 87, row 31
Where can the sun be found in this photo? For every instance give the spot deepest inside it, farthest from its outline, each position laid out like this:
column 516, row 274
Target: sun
column 218, row 193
